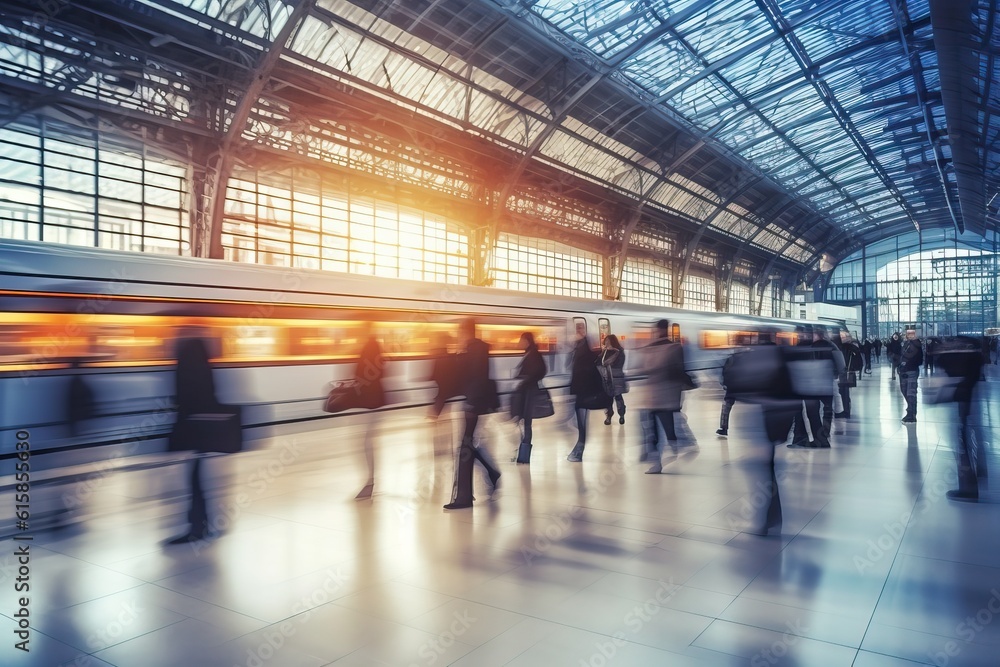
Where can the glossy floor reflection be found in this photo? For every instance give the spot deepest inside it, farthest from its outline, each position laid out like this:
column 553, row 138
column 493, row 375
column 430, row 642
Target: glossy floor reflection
column 567, row 564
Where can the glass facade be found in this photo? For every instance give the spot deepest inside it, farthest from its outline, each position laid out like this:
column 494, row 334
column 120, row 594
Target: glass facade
column 739, row 298
column 541, row 266
column 298, row 219
column 646, row 281
column 699, row 293
column 65, row 184
column 941, row 283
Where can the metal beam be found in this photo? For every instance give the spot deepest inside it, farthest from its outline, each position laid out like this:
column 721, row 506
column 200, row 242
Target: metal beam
column 219, row 173
column 958, row 65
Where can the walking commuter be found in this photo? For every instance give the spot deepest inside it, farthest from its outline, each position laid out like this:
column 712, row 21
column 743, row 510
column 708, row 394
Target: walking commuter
column 480, row 399
column 893, row 350
column 728, row 401
column 612, row 363
column 443, row 374
column 848, row 378
column 910, row 359
column 816, row 389
column 195, row 393
column 822, row 341
column 368, row 376
column 587, row 389
column 878, row 350
column 666, row 379
column 759, row 377
column 962, row 358
column 530, row 372
column 866, row 352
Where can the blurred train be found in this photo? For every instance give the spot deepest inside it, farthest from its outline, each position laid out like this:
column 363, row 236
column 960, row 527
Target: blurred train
column 108, row 321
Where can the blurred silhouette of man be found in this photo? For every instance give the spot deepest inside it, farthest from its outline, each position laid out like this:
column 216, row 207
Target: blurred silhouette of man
column 194, row 394
column 480, row 399
column 962, row 358
column 911, row 356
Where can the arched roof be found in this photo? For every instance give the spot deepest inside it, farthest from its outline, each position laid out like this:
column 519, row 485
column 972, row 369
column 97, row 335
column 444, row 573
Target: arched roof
column 792, row 132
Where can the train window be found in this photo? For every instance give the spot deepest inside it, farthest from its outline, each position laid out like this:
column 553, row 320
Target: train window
column 603, row 328
column 44, row 341
column 580, row 326
column 675, row 332
column 725, row 339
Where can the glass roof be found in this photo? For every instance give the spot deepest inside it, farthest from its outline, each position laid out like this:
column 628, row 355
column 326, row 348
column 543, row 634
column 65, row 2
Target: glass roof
column 805, row 90
column 837, row 105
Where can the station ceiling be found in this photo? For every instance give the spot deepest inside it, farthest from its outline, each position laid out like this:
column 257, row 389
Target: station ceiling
column 789, row 131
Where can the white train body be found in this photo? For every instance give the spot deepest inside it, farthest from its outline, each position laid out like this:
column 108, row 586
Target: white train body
column 281, row 334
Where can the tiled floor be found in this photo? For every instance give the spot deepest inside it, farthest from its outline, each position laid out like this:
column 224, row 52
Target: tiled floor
column 568, row 564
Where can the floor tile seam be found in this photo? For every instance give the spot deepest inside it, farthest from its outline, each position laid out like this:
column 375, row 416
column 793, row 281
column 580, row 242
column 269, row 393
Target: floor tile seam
column 209, row 602
column 99, row 597
column 164, row 627
column 805, row 610
column 994, row 646
column 889, row 655
column 781, row 632
column 892, row 564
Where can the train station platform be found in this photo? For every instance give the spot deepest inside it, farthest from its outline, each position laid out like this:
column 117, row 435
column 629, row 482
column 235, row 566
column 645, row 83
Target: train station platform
column 577, row 564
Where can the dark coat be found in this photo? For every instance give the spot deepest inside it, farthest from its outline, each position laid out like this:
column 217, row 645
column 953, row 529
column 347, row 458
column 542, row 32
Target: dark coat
column 194, row 388
column 613, row 360
column 532, row 368
column 474, row 367
column 911, row 356
column 444, row 373
column 583, row 375
column 894, row 348
column 964, row 363
column 852, row 356
column 368, row 374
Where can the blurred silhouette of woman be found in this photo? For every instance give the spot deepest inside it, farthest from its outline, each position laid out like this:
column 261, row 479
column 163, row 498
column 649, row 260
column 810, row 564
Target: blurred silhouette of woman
column 530, row 372
column 613, row 360
column 368, row 376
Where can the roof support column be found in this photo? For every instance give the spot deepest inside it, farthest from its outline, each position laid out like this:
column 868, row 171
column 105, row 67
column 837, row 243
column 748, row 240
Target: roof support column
column 220, row 168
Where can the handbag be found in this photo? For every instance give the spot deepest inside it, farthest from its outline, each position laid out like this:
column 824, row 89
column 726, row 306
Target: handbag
column 848, row 379
column 940, row 389
column 811, row 377
column 343, row 396
column 595, row 401
column 542, row 406
column 220, row 432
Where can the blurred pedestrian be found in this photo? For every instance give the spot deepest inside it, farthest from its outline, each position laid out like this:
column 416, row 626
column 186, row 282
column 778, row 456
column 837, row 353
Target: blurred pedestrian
column 866, row 352
column 194, row 394
column 666, row 379
column 877, row 346
column 613, row 362
column 369, row 394
column 480, row 399
column 586, row 387
column 849, row 376
column 961, row 358
column 530, row 372
column 759, row 377
column 728, row 400
column 893, row 349
column 911, row 357
column 81, row 403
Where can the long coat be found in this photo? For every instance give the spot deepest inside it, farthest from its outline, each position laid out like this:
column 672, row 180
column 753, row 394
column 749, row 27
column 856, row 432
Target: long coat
column 663, row 364
column 369, row 373
column 614, row 361
column 474, row 364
